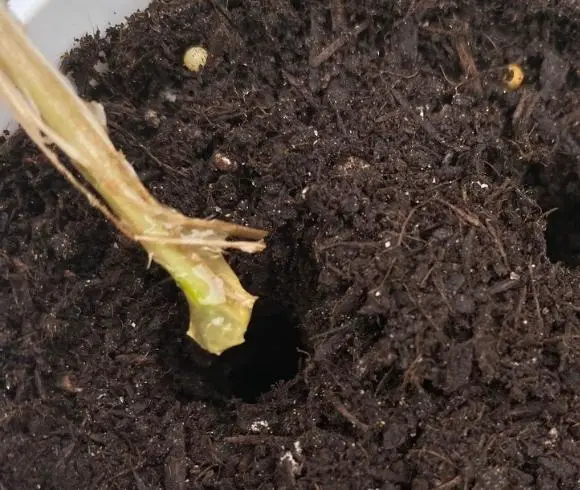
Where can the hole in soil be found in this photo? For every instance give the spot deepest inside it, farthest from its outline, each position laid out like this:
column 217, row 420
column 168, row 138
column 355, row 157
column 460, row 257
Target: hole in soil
column 563, row 235
column 558, row 191
column 284, row 279
column 270, row 354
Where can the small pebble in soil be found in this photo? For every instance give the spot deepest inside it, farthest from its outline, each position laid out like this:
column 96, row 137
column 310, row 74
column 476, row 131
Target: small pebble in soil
column 513, row 76
column 195, row 58
column 100, row 67
column 152, row 119
column 223, row 163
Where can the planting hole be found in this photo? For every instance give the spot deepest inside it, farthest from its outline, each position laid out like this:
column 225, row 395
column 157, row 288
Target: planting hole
column 270, row 354
column 557, row 189
column 563, row 235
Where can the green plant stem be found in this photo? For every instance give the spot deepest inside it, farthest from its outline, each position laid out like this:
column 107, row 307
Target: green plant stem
column 189, row 249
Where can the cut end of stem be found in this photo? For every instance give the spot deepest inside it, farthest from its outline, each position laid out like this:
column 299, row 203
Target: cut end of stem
column 219, row 307
column 217, row 329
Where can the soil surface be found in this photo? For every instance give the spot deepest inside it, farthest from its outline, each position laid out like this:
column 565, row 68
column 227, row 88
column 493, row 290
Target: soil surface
column 419, row 326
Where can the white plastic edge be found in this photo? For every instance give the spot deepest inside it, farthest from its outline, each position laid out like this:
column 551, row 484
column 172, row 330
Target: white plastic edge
column 25, row 9
column 54, row 25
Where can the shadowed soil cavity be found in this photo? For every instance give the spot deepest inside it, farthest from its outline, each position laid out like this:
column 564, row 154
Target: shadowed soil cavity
column 419, row 320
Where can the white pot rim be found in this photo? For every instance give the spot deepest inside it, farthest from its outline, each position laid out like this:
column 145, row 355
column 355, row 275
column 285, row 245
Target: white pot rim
column 54, row 25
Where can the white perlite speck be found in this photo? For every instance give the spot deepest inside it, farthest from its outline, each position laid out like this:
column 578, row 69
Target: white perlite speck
column 288, row 458
column 259, row 426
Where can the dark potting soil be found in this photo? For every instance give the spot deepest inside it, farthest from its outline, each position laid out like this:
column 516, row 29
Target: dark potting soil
column 419, row 325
